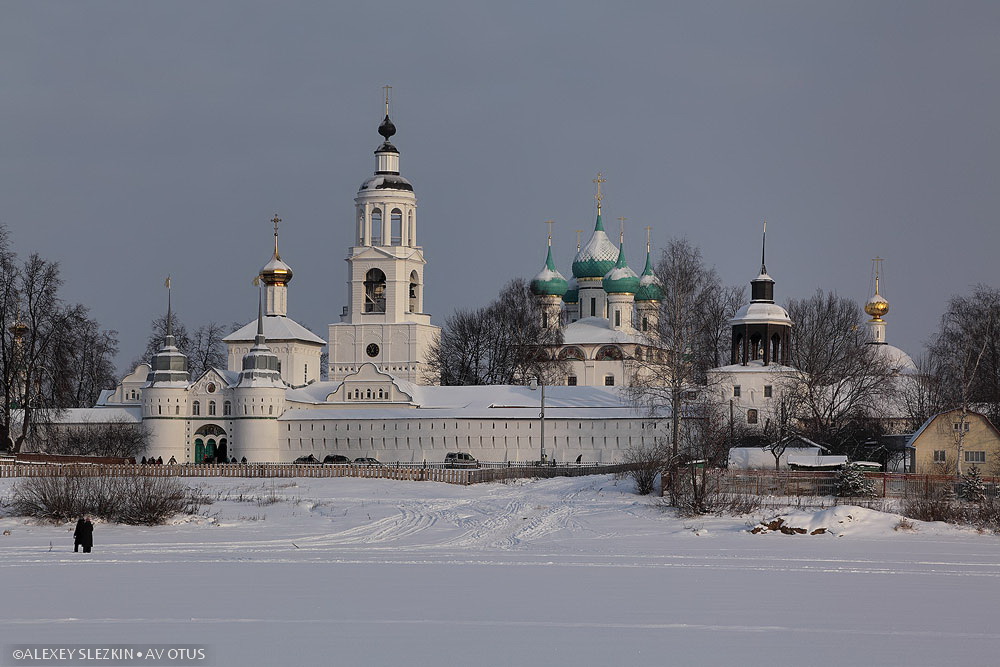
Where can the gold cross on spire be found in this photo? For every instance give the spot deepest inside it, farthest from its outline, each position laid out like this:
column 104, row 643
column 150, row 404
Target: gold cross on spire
column 621, row 232
column 600, row 179
column 276, row 220
column 386, row 88
column 550, row 223
column 877, row 265
column 648, row 230
column 578, row 232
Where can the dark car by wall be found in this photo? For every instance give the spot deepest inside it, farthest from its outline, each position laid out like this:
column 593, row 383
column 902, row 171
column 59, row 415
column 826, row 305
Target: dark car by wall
column 460, row 460
column 306, row 459
column 335, row 458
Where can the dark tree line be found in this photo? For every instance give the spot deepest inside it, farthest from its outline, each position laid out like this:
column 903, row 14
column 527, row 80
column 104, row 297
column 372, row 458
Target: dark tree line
column 53, row 355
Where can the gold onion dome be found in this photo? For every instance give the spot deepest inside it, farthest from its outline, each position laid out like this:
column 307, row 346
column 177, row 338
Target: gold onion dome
column 276, row 272
column 877, row 306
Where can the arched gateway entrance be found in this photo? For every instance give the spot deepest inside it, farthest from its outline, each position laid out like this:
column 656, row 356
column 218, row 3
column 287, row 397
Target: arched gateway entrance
column 210, row 444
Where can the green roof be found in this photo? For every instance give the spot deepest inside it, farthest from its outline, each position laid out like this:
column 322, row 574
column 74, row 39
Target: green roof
column 597, row 257
column 549, row 282
column 621, row 279
column 649, row 284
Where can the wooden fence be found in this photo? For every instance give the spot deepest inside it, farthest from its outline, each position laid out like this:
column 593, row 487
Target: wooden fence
column 409, row 472
column 805, row 483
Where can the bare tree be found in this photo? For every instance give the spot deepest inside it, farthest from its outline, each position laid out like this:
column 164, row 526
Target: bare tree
column 839, row 379
column 85, row 354
column 645, row 463
column 502, row 343
column 207, row 349
column 34, row 319
column 158, row 331
column 965, row 354
column 692, row 321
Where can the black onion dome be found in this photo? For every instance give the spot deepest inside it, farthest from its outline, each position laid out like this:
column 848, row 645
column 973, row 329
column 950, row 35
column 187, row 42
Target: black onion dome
column 387, row 129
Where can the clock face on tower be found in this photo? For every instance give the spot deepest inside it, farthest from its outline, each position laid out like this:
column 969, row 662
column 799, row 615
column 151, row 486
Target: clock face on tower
column 372, row 350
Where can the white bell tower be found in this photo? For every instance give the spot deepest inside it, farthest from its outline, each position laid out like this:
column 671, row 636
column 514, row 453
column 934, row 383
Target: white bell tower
column 384, row 322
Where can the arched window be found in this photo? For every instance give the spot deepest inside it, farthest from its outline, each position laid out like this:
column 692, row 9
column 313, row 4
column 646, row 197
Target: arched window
column 573, row 353
column 270, row 409
column 414, row 303
column 609, row 353
column 396, row 227
column 756, row 347
column 374, row 291
column 377, row 226
column 775, row 348
column 196, row 408
column 227, row 408
column 211, row 408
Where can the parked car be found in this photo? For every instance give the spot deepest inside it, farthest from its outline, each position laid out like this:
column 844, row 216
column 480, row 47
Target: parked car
column 460, row 460
column 336, row 458
column 307, row 459
column 367, row 460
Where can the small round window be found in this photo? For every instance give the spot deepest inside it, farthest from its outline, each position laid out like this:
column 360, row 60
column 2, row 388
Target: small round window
column 211, row 387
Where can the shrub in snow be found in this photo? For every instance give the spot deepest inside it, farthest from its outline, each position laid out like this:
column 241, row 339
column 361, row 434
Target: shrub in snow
column 972, row 488
column 852, row 483
column 132, row 499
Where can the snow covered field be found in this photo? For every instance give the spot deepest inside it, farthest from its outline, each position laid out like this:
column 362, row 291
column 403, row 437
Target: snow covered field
column 575, row 571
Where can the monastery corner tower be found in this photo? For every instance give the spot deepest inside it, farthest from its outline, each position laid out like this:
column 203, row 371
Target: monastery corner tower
column 384, row 322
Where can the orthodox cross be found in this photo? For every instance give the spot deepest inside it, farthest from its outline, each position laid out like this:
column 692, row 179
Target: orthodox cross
column 578, row 232
column 276, row 220
column 648, row 230
column 621, row 233
column 877, row 265
column 550, row 223
column 386, row 88
column 600, row 179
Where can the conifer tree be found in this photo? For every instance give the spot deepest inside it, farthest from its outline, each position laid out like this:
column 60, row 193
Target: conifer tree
column 971, row 488
column 852, row 483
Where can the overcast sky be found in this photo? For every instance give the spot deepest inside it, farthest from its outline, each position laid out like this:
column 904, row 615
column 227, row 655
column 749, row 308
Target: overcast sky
column 141, row 139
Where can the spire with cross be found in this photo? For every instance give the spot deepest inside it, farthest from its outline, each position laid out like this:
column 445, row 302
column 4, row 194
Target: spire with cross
column 276, row 220
column 599, row 196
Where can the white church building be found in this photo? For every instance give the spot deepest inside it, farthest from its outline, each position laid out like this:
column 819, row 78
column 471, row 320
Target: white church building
column 270, row 403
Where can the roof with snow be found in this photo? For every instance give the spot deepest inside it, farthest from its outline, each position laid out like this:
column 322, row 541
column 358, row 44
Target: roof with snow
column 596, row 330
column 898, row 360
column 491, row 402
column 761, row 312
column 100, row 415
column 276, row 328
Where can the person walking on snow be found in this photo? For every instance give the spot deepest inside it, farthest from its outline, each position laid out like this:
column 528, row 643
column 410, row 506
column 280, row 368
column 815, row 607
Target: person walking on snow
column 78, row 534
column 86, row 535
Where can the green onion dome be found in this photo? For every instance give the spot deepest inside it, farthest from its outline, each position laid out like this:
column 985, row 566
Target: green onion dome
column 597, row 257
column 621, row 279
column 649, row 284
column 572, row 294
column 549, row 282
